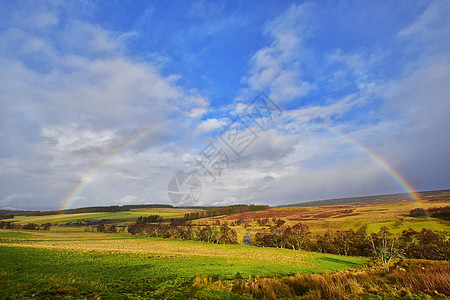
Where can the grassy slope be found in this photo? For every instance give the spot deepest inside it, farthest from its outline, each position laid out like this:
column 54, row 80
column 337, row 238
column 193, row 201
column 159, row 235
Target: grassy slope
column 395, row 216
column 112, row 264
column 373, row 199
column 132, row 214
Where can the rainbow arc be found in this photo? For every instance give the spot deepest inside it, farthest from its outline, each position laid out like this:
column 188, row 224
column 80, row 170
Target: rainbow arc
column 395, row 175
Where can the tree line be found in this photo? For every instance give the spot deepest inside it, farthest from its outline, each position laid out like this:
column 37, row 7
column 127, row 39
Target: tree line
column 383, row 245
column 227, row 210
column 28, row 226
column 210, row 234
column 150, row 219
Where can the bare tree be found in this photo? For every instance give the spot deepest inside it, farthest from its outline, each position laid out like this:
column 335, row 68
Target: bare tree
column 385, row 247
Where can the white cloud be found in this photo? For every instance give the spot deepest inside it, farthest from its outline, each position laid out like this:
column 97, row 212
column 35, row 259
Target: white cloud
column 277, row 67
column 325, row 113
column 130, row 199
column 69, row 111
column 435, row 20
column 321, row 163
column 46, row 19
column 210, row 125
column 355, row 68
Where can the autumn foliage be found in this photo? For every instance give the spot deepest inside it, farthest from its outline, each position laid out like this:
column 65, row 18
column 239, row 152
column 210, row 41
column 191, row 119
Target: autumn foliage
column 210, row 234
column 383, row 245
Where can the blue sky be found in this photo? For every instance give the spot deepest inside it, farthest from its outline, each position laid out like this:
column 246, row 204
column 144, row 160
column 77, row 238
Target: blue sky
column 81, row 79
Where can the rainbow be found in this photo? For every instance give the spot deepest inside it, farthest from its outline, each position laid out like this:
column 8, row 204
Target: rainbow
column 380, row 162
column 71, row 198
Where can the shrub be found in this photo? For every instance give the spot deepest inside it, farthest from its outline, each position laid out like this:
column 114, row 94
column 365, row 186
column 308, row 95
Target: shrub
column 46, row 226
column 418, row 213
column 101, row 228
column 112, row 229
column 440, row 212
column 30, row 226
column 426, row 244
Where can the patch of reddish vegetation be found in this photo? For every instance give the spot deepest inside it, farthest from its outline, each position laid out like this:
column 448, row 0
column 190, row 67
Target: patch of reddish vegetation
column 439, row 199
column 319, row 213
column 300, row 214
column 345, row 215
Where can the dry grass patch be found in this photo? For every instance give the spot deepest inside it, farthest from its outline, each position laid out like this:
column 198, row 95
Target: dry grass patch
column 415, row 279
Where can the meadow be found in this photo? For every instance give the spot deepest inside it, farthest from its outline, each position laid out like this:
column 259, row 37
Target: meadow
column 75, row 264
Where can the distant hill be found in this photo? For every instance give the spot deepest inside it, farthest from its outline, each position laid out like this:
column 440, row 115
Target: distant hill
column 7, row 214
column 389, row 198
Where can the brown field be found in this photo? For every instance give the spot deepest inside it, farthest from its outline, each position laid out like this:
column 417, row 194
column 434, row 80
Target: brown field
column 394, row 215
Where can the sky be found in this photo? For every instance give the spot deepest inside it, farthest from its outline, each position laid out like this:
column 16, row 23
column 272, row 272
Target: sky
column 109, row 102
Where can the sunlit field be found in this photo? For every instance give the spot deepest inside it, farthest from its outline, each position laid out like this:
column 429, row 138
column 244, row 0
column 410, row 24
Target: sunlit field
column 114, row 265
column 116, row 216
column 395, row 216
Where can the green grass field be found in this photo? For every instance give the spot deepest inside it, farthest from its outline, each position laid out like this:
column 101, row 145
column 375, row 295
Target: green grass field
column 166, row 213
column 52, row 264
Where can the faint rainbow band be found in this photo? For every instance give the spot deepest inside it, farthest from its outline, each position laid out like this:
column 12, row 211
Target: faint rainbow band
column 70, row 199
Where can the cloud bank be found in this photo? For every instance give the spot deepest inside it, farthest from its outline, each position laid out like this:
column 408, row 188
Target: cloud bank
column 93, row 113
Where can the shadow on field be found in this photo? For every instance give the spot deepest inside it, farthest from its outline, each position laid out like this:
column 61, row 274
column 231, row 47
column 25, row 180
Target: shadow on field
column 338, row 261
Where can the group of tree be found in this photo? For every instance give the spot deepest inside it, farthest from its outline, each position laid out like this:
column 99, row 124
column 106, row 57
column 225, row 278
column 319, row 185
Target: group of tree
column 296, row 238
column 210, row 234
column 106, row 228
column 28, row 226
column 103, row 228
column 150, row 219
column 383, row 245
column 227, row 210
column 6, row 216
column 436, row 212
column 9, row 214
column 272, row 223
